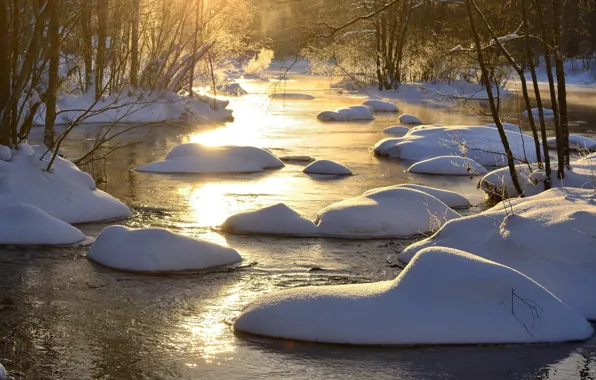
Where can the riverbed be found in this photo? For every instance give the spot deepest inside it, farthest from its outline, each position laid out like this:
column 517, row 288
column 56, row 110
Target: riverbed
column 63, row 317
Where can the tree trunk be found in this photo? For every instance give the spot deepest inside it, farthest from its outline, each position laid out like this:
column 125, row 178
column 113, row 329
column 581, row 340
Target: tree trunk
column 87, row 42
column 491, row 100
column 102, row 33
column 54, row 42
column 561, row 88
column 134, row 45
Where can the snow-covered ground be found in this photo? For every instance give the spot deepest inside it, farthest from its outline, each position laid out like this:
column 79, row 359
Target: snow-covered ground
column 156, row 250
column 196, row 158
column 444, row 296
column 549, row 237
column 448, row 165
column 134, row 106
column 64, row 192
column 450, row 198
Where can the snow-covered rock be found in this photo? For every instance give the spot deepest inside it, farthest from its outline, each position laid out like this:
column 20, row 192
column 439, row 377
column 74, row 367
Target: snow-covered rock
column 278, row 219
column 380, row 105
column 3, row 374
column 576, row 142
column 291, row 95
column 327, row 167
column 450, row 198
column 482, row 144
column 5, row 153
column 549, row 237
column 444, row 296
column 507, row 126
column 156, row 250
column 398, row 130
column 548, row 113
column 197, row 158
column 230, row 89
column 448, row 165
column 384, row 213
column 65, row 192
column 23, row 224
column 409, row 119
column 498, row 182
column 297, row 158
column 352, row 113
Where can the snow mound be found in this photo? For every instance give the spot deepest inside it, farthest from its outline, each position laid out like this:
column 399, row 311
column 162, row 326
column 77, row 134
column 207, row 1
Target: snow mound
column 444, row 296
column 156, row 250
column 28, row 225
column 3, row 374
column 197, row 158
column 384, row 213
column 498, row 182
column 380, row 106
column 296, row 158
column 548, row 113
column 506, row 126
column 327, row 167
column 549, row 237
column 448, row 165
column 450, row 198
column 347, row 114
column 409, row 119
column 482, row 144
column 65, row 192
column 278, row 219
column 230, row 89
column 576, row 142
column 398, row 130
column 291, row 95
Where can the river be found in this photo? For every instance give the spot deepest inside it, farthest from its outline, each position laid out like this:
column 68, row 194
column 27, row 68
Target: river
column 63, row 317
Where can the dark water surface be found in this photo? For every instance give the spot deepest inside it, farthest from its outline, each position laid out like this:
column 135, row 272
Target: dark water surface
column 62, row 317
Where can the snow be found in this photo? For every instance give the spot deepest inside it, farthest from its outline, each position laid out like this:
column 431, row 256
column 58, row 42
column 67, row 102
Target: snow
column 347, row 114
column 456, row 49
column 444, row 296
column 509, row 37
column 327, row 167
column 482, row 144
column 548, row 113
column 498, row 182
column 135, row 106
column 549, row 237
column 448, row 165
column 23, row 224
column 296, row 158
column 507, row 126
column 409, row 119
column 397, row 130
column 577, row 73
column 450, row 198
column 278, row 219
column 384, row 213
column 291, row 95
column 380, row 106
column 197, row 158
column 65, row 192
column 576, row 142
column 5, row 153
column 156, row 250
column 3, row 374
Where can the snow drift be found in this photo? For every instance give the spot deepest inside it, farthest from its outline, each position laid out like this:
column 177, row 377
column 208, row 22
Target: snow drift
column 197, row 158
column 352, row 113
column 444, row 296
column 409, row 119
column 380, row 106
column 278, row 219
column 548, row 237
column 156, row 250
column 450, row 198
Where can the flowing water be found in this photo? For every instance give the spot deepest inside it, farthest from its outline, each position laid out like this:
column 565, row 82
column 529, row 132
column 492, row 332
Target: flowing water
column 63, row 317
